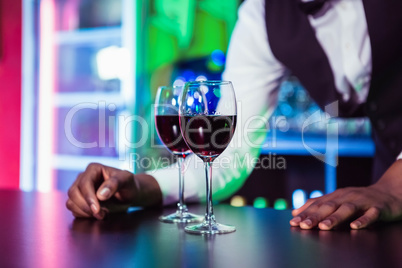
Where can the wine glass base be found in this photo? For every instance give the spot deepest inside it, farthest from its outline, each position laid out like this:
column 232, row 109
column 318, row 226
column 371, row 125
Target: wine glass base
column 184, row 217
column 209, row 229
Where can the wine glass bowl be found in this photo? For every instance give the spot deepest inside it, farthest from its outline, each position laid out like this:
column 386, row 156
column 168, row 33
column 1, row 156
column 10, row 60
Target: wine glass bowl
column 208, row 116
column 208, row 135
column 167, row 125
column 167, row 120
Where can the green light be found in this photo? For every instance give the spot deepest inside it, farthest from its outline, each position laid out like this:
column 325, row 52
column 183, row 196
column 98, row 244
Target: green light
column 280, row 204
column 213, row 67
column 260, row 202
column 217, row 92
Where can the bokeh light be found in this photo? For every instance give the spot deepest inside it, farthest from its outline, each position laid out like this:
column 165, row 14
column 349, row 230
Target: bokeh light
column 238, row 201
column 280, row 204
column 260, row 202
column 299, row 198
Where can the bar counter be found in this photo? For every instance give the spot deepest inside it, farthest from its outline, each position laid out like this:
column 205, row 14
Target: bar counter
column 36, row 230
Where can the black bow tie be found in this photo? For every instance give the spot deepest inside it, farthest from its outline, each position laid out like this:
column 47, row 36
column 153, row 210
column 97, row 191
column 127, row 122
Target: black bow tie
column 311, row 7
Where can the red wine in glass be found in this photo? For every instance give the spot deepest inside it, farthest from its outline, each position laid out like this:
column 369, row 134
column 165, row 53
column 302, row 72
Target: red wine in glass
column 208, row 135
column 168, row 129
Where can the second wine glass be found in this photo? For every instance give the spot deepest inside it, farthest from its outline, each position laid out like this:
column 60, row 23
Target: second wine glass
column 208, row 116
column 167, row 126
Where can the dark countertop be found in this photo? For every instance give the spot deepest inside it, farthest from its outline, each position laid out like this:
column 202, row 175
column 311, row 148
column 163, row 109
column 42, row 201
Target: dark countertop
column 38, row 231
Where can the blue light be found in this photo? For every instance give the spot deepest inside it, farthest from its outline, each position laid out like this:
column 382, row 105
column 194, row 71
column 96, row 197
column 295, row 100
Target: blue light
column 285, row 109
column 316, row 193
column 298, row 198
column 218, row 57
column 188, row 75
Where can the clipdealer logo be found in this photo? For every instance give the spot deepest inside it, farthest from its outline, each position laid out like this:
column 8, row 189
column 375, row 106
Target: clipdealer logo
column 122, row 141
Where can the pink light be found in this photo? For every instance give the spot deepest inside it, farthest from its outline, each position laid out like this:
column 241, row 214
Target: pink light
column 46, row 92
column 70, row 15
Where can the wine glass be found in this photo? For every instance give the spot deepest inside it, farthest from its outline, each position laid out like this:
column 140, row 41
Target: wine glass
column 207, row 122
column 167, row 126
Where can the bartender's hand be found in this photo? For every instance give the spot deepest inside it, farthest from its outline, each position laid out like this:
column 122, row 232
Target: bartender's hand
column 101, row 189
column 360, row 206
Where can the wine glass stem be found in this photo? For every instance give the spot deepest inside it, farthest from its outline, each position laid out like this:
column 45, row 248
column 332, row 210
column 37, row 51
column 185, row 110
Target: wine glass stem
column 181, row 206
column 209, row 216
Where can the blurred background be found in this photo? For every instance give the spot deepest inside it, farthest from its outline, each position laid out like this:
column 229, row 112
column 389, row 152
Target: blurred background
column 74, row 72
